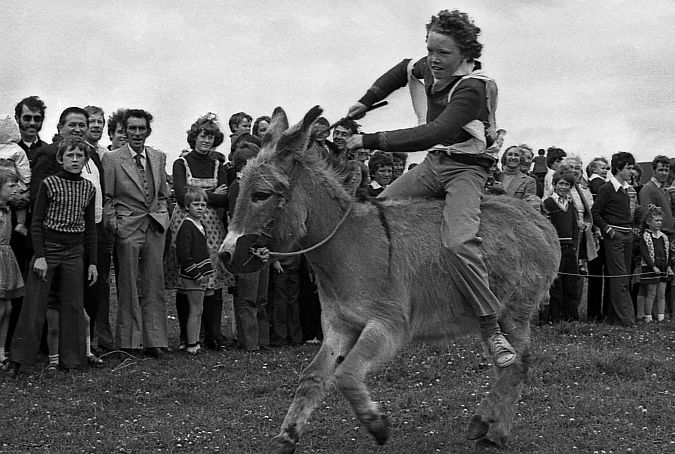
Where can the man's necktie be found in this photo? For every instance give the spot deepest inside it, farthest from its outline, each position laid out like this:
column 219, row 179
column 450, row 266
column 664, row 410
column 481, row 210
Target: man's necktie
column 141, row 172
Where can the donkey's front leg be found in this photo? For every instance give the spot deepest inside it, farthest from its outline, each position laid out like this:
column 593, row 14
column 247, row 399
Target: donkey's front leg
column 312, row 387
column 376, row 345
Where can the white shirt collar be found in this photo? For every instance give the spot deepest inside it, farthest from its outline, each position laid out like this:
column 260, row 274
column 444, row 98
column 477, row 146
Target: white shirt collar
column 375, row 185
column 656, row 182
column 618, row 185
column 594, row 176
column 133, row 152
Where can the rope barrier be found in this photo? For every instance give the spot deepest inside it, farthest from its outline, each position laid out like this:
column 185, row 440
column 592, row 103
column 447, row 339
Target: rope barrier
column 599, row 275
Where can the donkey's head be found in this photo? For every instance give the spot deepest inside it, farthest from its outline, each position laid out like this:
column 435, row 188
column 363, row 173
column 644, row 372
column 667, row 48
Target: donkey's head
column 264, row 215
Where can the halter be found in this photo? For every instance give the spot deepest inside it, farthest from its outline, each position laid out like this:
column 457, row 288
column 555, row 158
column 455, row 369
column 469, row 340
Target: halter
column 248, row 259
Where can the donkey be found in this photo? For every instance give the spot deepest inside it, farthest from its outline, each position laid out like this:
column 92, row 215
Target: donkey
column 382, row 276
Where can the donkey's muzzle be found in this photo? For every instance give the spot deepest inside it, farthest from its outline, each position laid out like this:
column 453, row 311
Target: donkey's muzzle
column 243, row 261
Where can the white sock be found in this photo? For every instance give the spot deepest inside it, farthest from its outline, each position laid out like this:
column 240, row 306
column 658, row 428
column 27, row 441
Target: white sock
column 660, row 317
column 54, row 359
column 648, row 318
column 87, row 343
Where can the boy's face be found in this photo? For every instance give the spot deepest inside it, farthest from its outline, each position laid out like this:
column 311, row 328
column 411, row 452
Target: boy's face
column 243, row 126
column 562, row 188
column 601, row 169
column 8, row 191
column 73, row 160
column 383, row 175
column 197, row 208
column 655, row 223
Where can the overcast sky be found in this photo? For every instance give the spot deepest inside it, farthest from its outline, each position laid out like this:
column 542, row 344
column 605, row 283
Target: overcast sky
column 590, row 77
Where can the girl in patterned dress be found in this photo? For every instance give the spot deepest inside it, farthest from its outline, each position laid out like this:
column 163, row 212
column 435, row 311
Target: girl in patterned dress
column 11, row 282
column 656, row 269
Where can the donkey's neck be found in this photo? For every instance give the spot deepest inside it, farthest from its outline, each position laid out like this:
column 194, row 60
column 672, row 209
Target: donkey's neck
column 333, row 261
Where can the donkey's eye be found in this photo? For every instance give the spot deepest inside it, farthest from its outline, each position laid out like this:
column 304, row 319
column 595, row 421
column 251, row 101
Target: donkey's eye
column 260, row 196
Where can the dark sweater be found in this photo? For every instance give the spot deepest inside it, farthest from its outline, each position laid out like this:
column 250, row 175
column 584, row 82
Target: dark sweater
column 201, row 166
column 611, row 207
column 32, row 150
column 192, row 252
column 651, row 193
column 64, row 213
column 444, row 119
column 565, row 222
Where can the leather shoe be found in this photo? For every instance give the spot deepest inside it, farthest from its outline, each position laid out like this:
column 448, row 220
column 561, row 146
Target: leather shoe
column 154, row 352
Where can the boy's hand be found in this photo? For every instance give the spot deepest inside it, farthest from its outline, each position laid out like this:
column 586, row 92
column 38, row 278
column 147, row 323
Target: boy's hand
column 92, row 275
column 656, row 269
column 40, row 267
column 277, row 267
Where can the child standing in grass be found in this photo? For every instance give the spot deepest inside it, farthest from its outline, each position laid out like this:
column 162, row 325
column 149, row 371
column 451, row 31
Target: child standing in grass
column 192, row 252
column 63, row 227
column 656, row 269
column 11, row 282
column 559, row 209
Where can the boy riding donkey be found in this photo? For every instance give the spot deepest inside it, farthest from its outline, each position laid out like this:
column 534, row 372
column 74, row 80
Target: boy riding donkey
column 459, row 102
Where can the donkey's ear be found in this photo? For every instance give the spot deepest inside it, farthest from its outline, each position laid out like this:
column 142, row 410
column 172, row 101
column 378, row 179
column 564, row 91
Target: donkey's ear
column 295, row 140
column 278, row 125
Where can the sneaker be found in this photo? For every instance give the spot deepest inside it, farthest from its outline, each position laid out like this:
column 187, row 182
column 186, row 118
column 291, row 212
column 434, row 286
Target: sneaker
column 502, row 352
column 51, row 370
column 94, row 361
column 12, row 369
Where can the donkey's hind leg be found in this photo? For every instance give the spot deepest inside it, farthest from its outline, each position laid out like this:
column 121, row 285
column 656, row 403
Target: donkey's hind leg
column 376, row 345
column 312, row 386
column 492, row 422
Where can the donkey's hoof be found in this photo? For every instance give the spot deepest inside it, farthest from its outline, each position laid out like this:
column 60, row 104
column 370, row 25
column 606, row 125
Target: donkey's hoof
column 477, row 428
column 492, row 441
column 281, row 445
column 378, row 426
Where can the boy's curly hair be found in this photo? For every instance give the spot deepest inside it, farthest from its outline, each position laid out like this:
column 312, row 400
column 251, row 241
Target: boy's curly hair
column 460, row 28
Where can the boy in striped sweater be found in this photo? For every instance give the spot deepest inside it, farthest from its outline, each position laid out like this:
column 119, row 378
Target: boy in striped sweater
column 62, row 229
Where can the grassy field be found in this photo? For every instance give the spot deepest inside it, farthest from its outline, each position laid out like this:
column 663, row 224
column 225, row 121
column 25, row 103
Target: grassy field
column 592, row 388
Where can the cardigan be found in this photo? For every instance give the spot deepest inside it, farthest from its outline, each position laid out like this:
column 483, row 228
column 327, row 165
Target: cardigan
column 565, row 222
column 192, row 251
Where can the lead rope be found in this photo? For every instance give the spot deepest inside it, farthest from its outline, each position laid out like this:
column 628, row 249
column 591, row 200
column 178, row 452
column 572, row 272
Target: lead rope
column 320, row 243
column 317, row 245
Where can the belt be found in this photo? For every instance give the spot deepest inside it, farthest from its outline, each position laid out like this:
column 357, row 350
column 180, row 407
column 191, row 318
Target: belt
column 467, row 159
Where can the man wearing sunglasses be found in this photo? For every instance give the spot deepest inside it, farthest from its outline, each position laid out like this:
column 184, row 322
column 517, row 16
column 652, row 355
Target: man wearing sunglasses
column 29, row 114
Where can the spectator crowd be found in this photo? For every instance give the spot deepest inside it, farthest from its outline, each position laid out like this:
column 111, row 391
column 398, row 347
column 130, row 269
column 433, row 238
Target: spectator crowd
column 73, row 214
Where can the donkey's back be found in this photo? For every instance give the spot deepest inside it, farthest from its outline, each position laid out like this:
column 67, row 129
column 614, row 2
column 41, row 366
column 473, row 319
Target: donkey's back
column 399, row 271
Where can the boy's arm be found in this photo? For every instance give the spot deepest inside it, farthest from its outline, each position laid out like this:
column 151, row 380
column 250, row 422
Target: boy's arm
column 37, row 225
column 598, row 208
